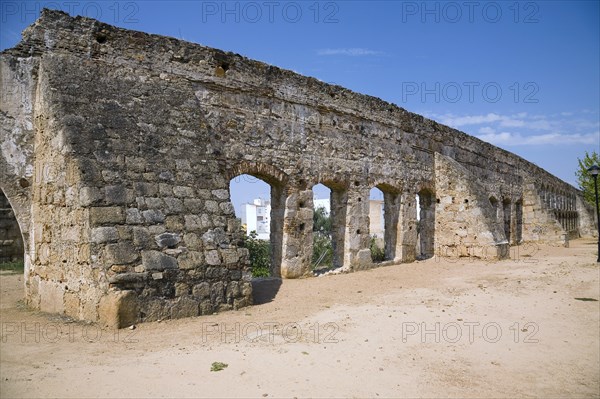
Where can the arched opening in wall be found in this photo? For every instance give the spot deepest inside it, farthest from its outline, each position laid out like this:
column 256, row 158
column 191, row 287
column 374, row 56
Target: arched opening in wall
column 519, row 221
column 335, row 197
column 259, row 204
column 425, row 224
column 322, row 256
column 495, row 207
column 377, row 244
column 12, row 248
column 507, row 218
column 384, row 210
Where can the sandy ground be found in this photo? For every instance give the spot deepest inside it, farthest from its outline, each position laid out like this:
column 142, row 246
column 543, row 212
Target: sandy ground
column 434, row 328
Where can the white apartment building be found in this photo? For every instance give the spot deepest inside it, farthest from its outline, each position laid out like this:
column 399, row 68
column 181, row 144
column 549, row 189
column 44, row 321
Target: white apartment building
column 256, row 216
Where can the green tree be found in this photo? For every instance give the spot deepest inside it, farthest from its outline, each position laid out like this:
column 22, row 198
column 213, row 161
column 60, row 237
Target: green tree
column 260, row 255
column 321, row 220
column 584, row 179
column 322, row 241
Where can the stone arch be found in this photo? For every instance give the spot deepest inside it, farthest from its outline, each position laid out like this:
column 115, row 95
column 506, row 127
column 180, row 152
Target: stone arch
column 12, row 240
column 278, row 181
column 18, row 196
column 269, row 173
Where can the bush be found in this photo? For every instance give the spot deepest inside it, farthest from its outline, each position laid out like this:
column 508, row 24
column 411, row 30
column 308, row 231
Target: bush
column 260, row 255
column 377, row 253
column 15, row 267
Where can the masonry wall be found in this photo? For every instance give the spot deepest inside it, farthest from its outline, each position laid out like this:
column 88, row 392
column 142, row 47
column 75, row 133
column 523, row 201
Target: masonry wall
column 136, row 138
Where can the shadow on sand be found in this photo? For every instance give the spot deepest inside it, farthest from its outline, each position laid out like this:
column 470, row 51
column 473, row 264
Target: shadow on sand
column 264, row 290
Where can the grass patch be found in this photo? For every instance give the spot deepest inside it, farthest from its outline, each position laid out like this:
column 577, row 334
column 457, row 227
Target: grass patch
column 218, row 366
column 13, row 267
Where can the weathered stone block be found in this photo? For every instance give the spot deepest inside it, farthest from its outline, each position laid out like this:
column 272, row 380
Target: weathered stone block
column 154, row 203
column 115, row 194
column 217, row 293
column 192, row 241
column 230, row 256
column 211, row 206
column 174, row 222
column 121, row 253
column 206, row 307
column 142, row 238
column 182, row 191
column 155, row 260
column 221, row 194
column 194, row 205
column 213, row 258
column 192, row 222
column 51, row 296
column 185, row 307
column 127, row 278
column 214, row 238
column 190, row 260
column 153, row 216
column 118, row 309
column 227, row 208
column 174, row 205
column 104, row 234
column 106, row 215
column 181, row 289
column 90, row 196
column 165, row 240
column 143, row 189
column 201, row 290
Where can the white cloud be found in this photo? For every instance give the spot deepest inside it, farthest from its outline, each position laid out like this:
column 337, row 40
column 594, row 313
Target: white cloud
column 508, row 138
column 523, row 129
column 353, row 52
column 487, row 130
column 455, row 121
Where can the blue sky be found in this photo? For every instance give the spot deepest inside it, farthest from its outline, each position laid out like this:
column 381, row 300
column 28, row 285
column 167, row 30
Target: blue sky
column 521, row 75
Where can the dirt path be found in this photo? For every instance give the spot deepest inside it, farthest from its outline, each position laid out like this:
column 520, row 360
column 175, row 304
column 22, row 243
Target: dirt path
column 429, row 329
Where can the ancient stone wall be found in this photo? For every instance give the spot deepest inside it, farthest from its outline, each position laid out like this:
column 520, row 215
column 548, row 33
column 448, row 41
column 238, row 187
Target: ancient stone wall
column 136, row 138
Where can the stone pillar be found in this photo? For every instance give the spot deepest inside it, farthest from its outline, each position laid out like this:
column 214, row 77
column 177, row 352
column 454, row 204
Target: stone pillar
column 391, row 208
column 357, row 254
column 278, row 200
column 407, row 228
column 427, row 224
column 297, row 234
column 513, row 223
column 338, row 205
column 507, row 218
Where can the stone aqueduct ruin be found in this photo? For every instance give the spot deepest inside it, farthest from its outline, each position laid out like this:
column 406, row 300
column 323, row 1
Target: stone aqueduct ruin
column 118, row 148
